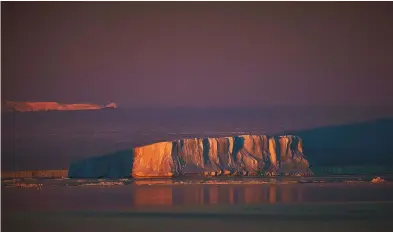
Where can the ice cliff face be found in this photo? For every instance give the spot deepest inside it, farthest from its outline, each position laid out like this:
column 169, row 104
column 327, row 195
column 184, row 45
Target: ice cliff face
column 153, row 160
column 50, row 106
column 238, row 155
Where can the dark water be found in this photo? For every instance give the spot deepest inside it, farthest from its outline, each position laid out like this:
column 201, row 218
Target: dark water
column 147, row 194
column 152, row 206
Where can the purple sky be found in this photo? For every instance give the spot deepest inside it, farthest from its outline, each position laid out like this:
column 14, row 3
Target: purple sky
column 199, row 54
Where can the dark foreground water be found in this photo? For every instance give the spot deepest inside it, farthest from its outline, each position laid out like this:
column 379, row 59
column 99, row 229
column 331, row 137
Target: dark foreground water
column 165, row 205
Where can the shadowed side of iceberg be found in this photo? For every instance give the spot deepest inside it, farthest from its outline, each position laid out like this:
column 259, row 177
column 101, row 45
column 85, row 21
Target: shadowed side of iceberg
column 116, row 165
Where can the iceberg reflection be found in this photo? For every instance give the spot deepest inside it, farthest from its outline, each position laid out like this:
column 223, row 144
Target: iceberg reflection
column 215, row 194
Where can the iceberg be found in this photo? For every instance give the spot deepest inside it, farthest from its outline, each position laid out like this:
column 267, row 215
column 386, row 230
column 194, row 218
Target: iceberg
column 12, row 106
column 244, row 155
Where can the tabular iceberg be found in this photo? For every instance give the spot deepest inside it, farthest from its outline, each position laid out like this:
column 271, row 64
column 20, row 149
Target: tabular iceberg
column 238, row 155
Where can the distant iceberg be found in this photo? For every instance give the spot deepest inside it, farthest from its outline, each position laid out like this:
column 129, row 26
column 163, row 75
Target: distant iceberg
column 51, row 106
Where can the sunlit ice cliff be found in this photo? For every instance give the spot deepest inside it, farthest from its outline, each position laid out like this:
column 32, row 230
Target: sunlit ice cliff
column 13, row 106
column 245, row 155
